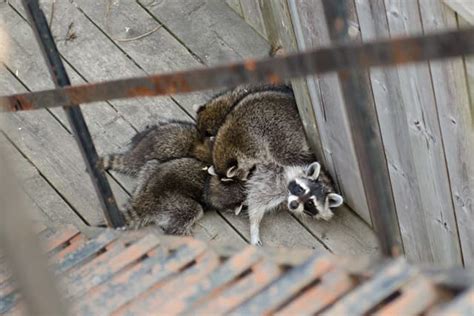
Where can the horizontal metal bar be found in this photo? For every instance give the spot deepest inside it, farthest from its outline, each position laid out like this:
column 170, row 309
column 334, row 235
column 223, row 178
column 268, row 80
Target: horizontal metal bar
column 272, row 70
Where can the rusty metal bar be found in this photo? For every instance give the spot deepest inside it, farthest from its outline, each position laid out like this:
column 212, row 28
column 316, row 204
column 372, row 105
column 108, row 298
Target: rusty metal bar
column 73, row 113
column 362, row 116
column 339, row 57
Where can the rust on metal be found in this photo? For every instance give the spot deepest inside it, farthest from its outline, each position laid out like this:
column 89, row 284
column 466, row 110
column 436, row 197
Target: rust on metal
column 284, row 288
column 139, row 273
column 387, row 282
column 339, row 57
column 150, row 301
column 263, row 273
column 332, row 286
column 409, row 303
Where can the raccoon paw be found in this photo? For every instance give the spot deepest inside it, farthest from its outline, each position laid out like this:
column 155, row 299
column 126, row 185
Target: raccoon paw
column 238, row 209
column 256, row 242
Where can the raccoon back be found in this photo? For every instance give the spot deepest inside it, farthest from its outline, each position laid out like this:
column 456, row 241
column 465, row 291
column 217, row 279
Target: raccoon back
column 161, row 142
column 263, row 127
column 223, row 195
column 213, row 114
column 170, row 193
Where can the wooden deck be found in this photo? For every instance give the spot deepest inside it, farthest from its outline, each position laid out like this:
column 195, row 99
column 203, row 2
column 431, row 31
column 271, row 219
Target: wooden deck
column 102, row 40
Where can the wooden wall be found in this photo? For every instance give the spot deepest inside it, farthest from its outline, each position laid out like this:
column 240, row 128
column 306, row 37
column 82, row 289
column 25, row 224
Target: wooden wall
column 425, row 112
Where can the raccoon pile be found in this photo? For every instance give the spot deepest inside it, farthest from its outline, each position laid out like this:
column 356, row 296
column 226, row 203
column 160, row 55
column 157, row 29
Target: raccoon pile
column 260, row 140
column 170, row 161
column 263, row 127
column 164, row 141
column 212, row 115
column 253, row 137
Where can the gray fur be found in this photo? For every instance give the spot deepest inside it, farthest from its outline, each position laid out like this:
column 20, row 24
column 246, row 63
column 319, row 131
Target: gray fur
column 212, row 115
column 263, row 127
column 268, row 189
column 172, row 195
column 168, row 195
column 223, row 196
column 161, row 142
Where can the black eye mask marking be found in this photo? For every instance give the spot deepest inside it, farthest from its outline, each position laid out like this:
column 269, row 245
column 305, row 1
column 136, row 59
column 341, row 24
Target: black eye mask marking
column 310, row 208
column 295, row 188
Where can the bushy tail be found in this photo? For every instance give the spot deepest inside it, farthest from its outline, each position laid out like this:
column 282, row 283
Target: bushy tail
column 135, row 221
column 117, row 162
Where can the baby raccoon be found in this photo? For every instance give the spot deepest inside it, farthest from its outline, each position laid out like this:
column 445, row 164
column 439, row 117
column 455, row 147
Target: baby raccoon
column 224, row 195
column 171, row 195
column 212, row 115
column 168, row 195
column 162, row 142
column 303, row 190
column 264, row 127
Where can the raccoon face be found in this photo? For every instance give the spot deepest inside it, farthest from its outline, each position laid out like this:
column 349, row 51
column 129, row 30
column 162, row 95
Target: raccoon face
column 308, row 196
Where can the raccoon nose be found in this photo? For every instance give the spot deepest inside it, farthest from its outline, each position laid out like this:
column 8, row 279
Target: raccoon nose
column 294, row 205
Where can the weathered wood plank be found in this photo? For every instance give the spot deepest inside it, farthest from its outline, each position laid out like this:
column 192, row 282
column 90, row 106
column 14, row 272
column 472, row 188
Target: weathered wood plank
column 44, row 200
column 345, row 234
column 42, row 138
column 157, row 52
column 278, row 229
column 54, row 152
column 253, row 16
column 464, row 8
column 235, row 5
column 24, row 172
column 142, row 38
column 109, row 130
column 455, row 119
column 209, row 29
column 96, row 58
column 311, row 31
column 415, row 151
column 469, row 65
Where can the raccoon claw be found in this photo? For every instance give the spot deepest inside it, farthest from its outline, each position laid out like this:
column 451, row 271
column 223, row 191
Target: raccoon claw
column 257, row 243
column 238, row 209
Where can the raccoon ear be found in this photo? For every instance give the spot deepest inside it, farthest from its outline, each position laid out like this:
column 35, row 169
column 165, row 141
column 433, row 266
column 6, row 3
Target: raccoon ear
column 198, row 107
column 232, row 172
column 312, row 171
column 335, row 200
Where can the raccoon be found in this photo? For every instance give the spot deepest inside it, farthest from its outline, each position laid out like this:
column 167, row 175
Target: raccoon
column 303, row 190
column 172, row 195
column 264, row 127
column 161, row 142
column 212, row 115
column 221, row 195
column 168, row 195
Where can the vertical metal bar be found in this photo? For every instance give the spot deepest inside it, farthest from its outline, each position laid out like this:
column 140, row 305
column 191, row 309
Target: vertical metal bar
column 362, row 116
column 81, row 132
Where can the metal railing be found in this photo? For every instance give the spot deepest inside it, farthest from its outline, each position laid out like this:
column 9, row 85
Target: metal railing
column 351, row 60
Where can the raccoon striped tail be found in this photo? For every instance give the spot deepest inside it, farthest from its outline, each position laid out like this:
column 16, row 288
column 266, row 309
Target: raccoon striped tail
column 133, row 220
column 116, row 162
